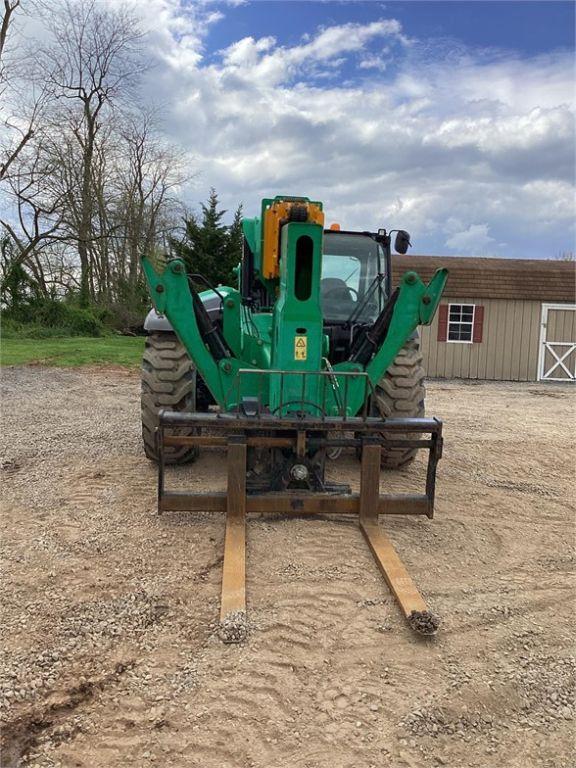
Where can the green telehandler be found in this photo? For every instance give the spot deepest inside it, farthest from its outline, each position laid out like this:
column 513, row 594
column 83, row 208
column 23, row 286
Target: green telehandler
column 313, row 352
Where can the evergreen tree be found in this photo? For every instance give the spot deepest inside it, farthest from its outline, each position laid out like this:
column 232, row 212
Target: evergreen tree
column 18, row 289
column 209, row 247
column 235, row 238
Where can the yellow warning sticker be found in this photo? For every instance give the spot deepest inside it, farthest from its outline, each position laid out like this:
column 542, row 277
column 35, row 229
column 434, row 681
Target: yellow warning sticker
column 300, row 348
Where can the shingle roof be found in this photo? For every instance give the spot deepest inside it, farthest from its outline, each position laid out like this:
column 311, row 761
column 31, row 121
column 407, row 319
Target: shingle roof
column 472, row 277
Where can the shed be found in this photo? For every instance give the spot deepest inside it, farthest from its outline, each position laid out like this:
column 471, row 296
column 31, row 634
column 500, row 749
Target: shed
column 499, row 319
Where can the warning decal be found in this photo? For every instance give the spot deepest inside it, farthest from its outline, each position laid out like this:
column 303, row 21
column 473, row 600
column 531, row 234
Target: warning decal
column 300, row 348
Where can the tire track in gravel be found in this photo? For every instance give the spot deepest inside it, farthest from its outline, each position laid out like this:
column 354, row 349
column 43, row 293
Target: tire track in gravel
column 261, row 695
column 298, row 622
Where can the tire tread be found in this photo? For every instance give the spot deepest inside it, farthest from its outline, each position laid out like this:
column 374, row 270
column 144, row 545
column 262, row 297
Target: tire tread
column 401, row 392
column 168, row 381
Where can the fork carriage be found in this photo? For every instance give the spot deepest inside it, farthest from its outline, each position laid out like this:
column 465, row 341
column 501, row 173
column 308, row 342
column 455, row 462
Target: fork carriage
column 301, row 488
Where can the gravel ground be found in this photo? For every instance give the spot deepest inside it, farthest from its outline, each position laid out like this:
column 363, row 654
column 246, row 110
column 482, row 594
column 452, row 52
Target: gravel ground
column 110, row 613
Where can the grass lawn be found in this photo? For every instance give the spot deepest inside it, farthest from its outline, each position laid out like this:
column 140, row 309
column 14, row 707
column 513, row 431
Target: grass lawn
column 72, row 352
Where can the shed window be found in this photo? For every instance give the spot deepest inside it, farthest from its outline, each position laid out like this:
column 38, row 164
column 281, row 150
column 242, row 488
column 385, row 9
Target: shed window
column 460, row 322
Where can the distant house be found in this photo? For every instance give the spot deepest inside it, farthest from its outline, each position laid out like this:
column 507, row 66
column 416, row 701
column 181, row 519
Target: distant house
column 500, row 319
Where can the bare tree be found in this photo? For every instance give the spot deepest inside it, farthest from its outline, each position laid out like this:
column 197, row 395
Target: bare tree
column 566, row 256
column 93, row 186
column 7, row 16
column 23, row 98
column 92, row 62
column 39, row 205
column 148, row 208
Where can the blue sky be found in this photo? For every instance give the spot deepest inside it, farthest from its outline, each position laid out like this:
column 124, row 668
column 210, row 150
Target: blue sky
column 526, row 27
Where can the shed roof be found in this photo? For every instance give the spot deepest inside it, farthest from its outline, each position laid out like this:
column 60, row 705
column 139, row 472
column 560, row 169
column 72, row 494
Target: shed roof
column 472, row 277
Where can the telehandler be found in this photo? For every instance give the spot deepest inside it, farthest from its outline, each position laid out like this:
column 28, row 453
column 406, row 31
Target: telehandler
column 313, row 352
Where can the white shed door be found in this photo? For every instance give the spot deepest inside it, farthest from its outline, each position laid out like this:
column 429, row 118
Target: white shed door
column 557, row 358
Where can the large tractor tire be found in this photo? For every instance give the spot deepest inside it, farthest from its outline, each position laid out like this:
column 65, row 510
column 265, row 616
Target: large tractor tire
column 169, row 382
column 401, row 393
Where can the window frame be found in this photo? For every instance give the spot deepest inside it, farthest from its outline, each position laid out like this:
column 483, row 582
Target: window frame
column 461, row 322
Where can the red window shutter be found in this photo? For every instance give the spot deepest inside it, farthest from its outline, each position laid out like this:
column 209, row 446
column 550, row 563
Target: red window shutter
column 443, row 322
column 478, row 324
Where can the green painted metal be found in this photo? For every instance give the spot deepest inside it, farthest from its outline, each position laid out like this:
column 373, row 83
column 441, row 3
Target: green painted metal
column 251, row 231
column 297, row 327
column 171, row 296
column 417, row 304
column 290, row 338
column 231, row 322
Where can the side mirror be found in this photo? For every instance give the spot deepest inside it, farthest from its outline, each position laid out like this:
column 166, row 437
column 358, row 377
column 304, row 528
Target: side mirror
column 402, row 241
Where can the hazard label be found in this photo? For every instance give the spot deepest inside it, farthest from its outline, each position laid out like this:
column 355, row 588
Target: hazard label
column 300, row 348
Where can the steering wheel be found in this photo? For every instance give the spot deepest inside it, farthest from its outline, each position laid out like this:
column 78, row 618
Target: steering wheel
column 338, row 289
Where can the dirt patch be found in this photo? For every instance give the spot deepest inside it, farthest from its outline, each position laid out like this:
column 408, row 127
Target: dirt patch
column 51, row 723
column 110, row 629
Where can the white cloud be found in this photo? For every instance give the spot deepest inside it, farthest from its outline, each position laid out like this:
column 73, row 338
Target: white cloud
column 373, row 61
column 246, row 52
column 474, row 240
column 263, row 62
column 465, row 151
column 176, row 33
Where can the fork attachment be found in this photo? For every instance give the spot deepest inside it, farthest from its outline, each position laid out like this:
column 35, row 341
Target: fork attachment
column 301, row 490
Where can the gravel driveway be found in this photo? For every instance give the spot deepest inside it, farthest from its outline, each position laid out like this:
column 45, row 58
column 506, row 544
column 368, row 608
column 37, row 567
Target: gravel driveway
column 111, row 657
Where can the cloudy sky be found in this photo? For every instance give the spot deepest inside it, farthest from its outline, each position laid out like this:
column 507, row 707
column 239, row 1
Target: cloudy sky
column 454, row 120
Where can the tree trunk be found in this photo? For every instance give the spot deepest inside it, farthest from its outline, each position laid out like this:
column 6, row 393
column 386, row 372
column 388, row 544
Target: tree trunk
column 84, row 226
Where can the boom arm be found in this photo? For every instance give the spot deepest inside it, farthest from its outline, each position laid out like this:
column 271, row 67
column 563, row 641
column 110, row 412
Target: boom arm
column 416, row 305
column 171, row 296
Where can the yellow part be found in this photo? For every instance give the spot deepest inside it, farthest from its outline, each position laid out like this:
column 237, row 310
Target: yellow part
column 300, row 348
column 274, row 218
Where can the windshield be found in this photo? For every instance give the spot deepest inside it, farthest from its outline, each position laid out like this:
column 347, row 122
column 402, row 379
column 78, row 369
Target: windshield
column 350, row 264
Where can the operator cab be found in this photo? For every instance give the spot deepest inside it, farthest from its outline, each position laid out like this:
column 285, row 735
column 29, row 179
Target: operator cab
column 353, row 284
column 353, row 288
